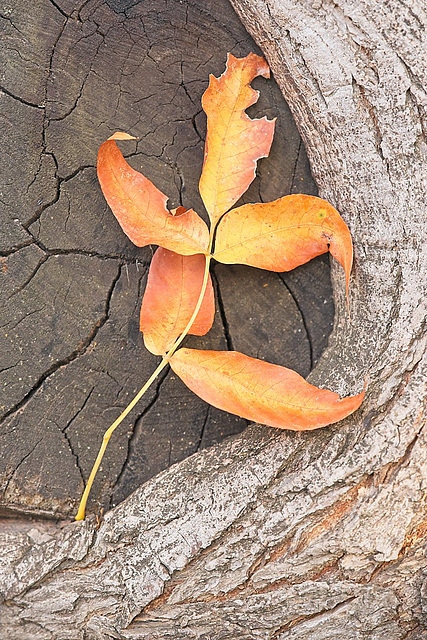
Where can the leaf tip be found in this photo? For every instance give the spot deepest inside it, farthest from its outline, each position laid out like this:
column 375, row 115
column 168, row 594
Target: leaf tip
column 258, row 64
column 121, row 135
column 356, row 400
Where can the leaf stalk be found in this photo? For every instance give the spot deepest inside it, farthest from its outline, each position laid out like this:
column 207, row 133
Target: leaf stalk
column 164, row 362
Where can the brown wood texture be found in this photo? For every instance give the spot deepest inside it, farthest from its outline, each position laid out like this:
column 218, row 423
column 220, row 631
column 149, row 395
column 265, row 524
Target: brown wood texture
column 71, row 354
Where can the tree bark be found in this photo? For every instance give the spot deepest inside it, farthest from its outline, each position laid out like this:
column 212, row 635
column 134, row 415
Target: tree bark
column 290, row 535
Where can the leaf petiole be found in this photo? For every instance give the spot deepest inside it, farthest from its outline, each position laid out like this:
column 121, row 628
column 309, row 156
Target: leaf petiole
column 164, row 362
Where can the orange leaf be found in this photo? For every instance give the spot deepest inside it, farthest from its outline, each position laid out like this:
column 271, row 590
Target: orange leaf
column 281, row 235
column 173, row 288
column 234, row 142
column 260, row 391
column 141, row 208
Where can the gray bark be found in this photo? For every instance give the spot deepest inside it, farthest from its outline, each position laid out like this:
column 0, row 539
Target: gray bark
column 289, row 535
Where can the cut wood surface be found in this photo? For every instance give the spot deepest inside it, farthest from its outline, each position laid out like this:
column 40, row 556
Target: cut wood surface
column 268, row 535
column 72, row 356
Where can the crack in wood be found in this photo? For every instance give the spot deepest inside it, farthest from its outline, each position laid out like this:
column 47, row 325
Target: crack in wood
column 75, row 455
column 10, row 478
column 221, row 307
column 302, row 315
column 79, row 351
column 137, row 425
column 21, row 100
column 294, row 170
column 202, row 431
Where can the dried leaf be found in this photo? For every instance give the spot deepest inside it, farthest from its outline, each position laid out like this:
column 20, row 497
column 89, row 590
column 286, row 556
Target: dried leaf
column 260, row 391
column 173, row 288
column 121, row 135
column 234, row 142
column 281, row 235
column 141, row 208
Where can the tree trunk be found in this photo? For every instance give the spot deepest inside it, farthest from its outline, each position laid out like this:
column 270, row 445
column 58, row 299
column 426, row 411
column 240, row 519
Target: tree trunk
column 289, row 535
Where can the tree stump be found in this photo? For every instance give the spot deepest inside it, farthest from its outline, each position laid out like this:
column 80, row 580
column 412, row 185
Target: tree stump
column 275, row 534
column 72, row 283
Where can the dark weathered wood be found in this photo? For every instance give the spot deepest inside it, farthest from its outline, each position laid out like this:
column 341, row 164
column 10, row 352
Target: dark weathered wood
column 258, row 327
column 71, row 283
